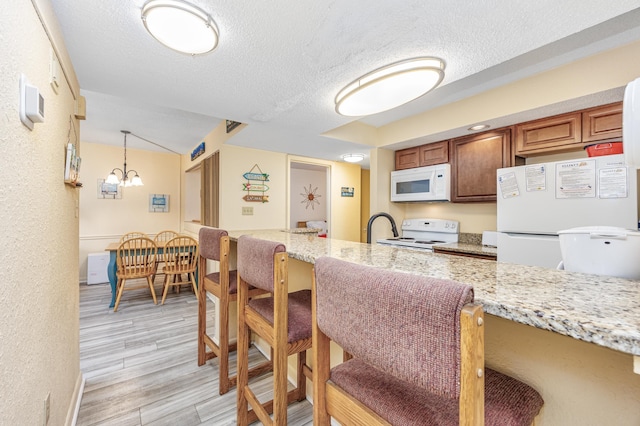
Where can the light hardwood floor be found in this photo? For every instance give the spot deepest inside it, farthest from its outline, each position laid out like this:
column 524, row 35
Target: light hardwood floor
column 140, row 364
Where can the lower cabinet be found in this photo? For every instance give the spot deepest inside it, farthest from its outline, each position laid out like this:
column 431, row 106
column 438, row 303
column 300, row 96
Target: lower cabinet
column 474, row 162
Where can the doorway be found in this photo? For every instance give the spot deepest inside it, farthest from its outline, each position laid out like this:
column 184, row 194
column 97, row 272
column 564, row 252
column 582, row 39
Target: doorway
column 309, row 196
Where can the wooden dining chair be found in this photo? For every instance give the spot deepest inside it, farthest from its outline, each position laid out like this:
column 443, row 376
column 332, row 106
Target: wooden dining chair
column 418, row 353
column 134, row 234
column 283, row 320
column 181, row 258
column 135, row 260
column 214, row 246
column 161, row 239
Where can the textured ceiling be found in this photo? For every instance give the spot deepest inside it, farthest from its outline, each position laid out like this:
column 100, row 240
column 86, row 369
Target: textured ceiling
column 279, row 65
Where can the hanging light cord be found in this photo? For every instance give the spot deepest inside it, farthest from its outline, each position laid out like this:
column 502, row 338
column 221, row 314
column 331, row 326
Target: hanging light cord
column 153, row 143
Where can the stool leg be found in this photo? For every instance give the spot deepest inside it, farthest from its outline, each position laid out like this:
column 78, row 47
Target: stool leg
column 280, row 384
column 243, row 357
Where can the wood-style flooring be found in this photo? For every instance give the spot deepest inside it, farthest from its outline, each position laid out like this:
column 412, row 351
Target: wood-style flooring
column 140, row 364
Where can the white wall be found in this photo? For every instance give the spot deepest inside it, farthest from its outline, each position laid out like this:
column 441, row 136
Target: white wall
column 301, row 183
column 39, row 319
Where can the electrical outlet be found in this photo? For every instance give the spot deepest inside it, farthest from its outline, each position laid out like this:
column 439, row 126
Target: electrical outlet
column 47, row 409
column 247, row 211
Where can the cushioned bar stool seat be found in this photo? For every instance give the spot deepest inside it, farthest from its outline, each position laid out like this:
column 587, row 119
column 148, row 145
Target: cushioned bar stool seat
column 283, row 320
column 418, row 353
column 214, row 246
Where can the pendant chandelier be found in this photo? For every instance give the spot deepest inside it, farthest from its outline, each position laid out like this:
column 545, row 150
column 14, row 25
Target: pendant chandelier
column 124, row 180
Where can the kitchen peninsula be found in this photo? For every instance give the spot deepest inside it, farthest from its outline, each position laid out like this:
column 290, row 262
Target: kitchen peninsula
column 573, row 337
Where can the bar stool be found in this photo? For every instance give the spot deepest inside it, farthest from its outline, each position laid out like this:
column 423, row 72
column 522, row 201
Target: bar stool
column 418, row 347
column 282, row 320
column 214, row 245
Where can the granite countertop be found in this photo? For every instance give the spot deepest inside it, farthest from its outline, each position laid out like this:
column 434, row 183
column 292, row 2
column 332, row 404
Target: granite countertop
column 468, row 248
column 591, row 308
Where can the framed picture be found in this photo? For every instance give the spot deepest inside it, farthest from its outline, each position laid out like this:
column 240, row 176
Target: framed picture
column 109, row 190
column 159, row 203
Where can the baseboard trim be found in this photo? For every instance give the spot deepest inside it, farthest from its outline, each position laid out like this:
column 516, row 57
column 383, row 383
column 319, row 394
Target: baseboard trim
column 76, row 399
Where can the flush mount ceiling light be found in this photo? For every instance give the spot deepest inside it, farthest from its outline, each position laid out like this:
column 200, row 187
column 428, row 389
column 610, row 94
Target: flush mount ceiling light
column 390, row 86
column 180, row 26
column 479, row 127
column 353, row 158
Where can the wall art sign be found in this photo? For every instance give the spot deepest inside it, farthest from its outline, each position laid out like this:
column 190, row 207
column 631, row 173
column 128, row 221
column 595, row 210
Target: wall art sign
column 109, row 191
column 255, row 186
column 198, row 151
column 310, row 197
column 346, row 191
column 159, row 203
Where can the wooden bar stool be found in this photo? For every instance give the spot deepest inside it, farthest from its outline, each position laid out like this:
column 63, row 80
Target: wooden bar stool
column 214, row 245
column 418, row 347
column 282, row 320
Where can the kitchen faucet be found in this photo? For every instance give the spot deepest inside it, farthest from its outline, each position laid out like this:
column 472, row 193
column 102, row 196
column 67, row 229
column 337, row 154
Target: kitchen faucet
column 374, row 217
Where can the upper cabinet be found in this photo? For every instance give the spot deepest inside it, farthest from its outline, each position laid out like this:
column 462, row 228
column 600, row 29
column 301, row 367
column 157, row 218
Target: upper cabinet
column 604, row 122
column 423, row 155
column 407, row 158
column 568, row 132
column 433, row 153
column 474, row 161
column 553, row 134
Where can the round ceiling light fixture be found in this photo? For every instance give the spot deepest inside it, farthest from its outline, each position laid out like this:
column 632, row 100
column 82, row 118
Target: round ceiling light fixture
column 180, row 26
column 390, row 86
column 353, row 158
column 479, row 127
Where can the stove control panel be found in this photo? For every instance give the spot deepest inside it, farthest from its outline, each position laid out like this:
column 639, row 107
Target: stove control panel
column 431, row 225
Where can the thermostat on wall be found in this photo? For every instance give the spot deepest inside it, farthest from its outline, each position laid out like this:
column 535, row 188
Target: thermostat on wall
column 31, row 103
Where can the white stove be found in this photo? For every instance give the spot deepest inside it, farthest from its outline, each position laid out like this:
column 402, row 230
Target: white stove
column 425, row 233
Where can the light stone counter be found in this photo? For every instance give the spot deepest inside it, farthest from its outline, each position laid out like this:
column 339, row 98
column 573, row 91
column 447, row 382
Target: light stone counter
column 466, row 248
column 591, row 308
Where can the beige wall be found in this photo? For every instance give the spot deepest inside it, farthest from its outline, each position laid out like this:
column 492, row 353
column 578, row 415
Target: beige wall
column 39, row 329
column 103, row 221
column 595, row 74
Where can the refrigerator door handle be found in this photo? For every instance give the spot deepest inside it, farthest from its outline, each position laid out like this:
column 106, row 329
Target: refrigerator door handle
column 609, row 236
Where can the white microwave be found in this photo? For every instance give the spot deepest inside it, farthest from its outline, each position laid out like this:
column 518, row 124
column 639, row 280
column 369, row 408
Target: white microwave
column 430, row 183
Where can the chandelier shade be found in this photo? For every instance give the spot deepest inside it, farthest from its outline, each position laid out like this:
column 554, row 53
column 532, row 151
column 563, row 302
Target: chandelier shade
column 124, row 180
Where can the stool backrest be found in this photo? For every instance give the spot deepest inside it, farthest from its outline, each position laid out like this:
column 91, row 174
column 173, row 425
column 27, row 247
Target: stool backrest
column 403, row 324
column 209, row 239
column 255, row 261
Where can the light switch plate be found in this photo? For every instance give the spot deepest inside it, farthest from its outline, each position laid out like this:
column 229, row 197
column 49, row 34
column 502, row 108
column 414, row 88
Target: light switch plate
column 247, row 211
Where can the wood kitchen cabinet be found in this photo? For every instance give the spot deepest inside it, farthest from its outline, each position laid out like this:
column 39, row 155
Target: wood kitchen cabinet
column 474, row 162
column 407, row 158
column 433, row 153
column 423, row 155
column 603, row 122
column 560, row 133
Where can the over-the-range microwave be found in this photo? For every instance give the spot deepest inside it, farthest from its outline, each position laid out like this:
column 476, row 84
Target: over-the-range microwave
column 430, row 183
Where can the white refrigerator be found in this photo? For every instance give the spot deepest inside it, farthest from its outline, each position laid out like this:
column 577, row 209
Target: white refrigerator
column 536, row 201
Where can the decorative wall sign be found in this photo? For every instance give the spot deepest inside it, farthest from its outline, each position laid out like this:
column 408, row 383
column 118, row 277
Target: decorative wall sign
column 255, row 186
column 108, row 190
column 198, row 151
column 159, row 203
column 310, row 197
column 346, row 191
column 232, row 125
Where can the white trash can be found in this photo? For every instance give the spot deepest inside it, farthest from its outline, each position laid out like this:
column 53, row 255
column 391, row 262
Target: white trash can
column 601, row 250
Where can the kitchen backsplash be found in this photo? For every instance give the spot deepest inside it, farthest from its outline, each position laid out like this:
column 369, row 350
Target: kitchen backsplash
column 467, row 238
